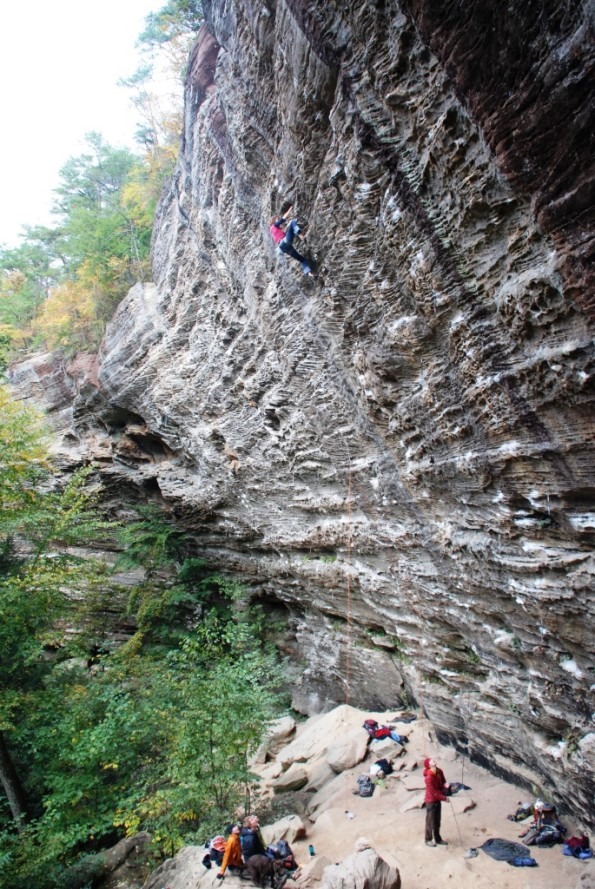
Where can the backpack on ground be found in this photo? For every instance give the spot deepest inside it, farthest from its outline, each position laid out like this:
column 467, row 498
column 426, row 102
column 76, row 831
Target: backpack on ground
column 279, row 850
column 216, row 849
column 548, row 836
column 546, row 829
column 578, row 847
column 522, row 861
column 365, row 787
column 581, row 842
column 284, row 848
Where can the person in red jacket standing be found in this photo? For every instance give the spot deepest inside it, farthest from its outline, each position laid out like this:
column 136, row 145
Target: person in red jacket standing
column 436, row 787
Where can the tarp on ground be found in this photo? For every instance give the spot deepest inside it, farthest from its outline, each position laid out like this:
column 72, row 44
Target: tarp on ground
column 503, row 850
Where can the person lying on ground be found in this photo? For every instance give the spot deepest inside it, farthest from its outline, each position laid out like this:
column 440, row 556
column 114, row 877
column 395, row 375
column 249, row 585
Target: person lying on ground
column 377, row 732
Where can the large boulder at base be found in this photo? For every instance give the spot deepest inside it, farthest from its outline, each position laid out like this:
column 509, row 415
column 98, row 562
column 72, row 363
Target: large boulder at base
column 293, row 779
column 385, row 748
column 320, row 773
column 414, row 782
column 276, row 737
column 310, row 875
column 320, row 733
column 186, row 869
column 270, row 771
column 334, row 789
column 365, row 869
column 123, row 866
column 416, row 801
column 290, row 828
column 347, row 750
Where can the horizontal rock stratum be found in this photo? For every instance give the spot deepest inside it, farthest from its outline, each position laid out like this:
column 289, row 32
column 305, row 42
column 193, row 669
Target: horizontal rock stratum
column 396, row 456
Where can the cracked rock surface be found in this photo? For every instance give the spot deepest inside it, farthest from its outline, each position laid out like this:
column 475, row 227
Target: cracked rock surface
column 398, row 454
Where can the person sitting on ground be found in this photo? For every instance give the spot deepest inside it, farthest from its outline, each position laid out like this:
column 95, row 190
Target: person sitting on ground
column 436, row 788
column 251, row 838
column 232, row 857
column 284, row 230
column 545, row 828
column 377, row 732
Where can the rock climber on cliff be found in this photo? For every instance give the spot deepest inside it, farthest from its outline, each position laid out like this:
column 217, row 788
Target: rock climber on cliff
column 284, row 230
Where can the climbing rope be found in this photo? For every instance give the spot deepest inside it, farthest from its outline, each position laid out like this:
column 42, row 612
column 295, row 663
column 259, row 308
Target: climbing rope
column 348, row 597
column 452, row 809
column 348, row 813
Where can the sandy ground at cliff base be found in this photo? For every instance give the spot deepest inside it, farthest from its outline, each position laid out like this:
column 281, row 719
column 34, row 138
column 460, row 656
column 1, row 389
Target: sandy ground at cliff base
column 396, row 831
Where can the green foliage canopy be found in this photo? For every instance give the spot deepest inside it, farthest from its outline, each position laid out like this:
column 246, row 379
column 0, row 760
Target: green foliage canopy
column 176, row 18
column 97, row 741
column 62, row 284
column 64, row 281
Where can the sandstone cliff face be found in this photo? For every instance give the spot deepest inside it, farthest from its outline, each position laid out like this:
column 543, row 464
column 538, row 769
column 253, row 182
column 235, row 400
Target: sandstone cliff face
column 398, row 454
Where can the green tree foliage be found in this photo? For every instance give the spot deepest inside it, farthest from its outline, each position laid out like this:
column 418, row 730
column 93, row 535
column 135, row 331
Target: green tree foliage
column 94, row 222
column 26, row 275
column 156, row 85
column 103, row 243
column 63, row 283
column 60, row 287
column 97, row 741
column 228, row 694
column 97, row 222
column 151, row 541
column 36, row 576
column 23, row 463
column 155, row 739
column 176, row 19
column 168, row 36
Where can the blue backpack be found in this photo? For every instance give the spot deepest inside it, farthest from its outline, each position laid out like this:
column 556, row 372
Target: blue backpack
column 523, row 861
column 279, row 850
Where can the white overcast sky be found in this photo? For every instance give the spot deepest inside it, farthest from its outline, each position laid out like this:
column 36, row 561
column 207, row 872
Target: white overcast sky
column 60, row 61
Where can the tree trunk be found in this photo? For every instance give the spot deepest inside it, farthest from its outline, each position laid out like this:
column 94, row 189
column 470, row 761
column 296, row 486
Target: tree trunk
column 11, row 783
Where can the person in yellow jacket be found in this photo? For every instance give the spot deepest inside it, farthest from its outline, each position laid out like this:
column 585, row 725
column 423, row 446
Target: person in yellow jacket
column 232, row 857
